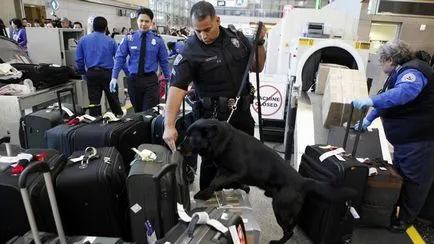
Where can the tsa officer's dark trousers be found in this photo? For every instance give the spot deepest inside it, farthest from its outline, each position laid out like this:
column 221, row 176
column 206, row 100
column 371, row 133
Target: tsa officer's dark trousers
column 415, row 163
column 144, row 91
column 98, row 80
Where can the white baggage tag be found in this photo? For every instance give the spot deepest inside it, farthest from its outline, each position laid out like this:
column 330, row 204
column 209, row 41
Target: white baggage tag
column 89, row 239
column 373, row 171
column 353, row 212
column 326, row 155
column 75, row 160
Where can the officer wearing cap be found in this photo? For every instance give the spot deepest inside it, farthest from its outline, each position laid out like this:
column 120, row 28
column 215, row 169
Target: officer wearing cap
column 96, row 52
column 215, row 59
column 406, row 106
column 146, row 50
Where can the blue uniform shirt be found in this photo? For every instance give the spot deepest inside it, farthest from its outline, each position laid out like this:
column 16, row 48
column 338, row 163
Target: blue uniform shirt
column 20, row 36
column 95, row 50
column 156, row 53
column 179, row 46
column 409, row 84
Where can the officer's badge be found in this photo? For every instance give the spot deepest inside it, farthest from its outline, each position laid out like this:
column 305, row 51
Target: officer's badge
column 177, row 59
column 410, row 77
column 153, row 42
column 130, row 37
column 235, row 42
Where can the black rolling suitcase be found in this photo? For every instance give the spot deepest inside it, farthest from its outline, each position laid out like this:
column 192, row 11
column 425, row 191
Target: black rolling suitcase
column 34, row 125
column 13, row 220
column 332, row 222
column 154, row 187
column 60, row 138
column 381, row 194
column 192, row 232
column 183, row 120
column 34, row 236
column 92, row 195
column 123, row 134
column 45, row 75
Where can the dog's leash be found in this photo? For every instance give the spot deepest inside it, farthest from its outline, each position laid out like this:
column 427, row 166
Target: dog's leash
column 246, row 71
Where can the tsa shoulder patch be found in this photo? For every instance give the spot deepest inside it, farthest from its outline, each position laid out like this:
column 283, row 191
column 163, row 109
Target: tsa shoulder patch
column 409, row 77
column 177, row 59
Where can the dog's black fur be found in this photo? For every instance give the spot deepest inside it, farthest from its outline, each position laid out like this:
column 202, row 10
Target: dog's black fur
column 241, row 158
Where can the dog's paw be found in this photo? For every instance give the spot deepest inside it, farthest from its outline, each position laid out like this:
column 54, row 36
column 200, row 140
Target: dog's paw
column 203, row 195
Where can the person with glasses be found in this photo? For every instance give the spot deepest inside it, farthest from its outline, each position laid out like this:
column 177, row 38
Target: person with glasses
column 406, row 107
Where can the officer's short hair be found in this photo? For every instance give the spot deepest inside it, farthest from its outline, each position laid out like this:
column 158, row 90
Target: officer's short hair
column 78, row 23
column 201, row 10
column 397, row 51
column 99, row 24
column 146, row 11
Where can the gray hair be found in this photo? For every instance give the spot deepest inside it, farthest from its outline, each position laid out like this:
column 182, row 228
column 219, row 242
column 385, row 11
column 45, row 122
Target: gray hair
column 201, row 10
column 397, row 51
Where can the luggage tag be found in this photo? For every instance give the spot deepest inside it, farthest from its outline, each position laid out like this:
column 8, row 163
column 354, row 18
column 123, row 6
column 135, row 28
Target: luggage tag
column 329, row 154
column 373, row 171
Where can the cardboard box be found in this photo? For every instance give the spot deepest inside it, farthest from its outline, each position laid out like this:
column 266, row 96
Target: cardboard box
column 343, row 86
column 322, row 74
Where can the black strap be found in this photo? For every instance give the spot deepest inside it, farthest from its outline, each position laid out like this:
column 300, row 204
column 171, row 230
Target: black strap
column 142, row 57
column 252, row 53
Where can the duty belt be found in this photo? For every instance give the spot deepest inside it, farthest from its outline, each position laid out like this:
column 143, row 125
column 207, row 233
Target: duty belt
column 224, row 104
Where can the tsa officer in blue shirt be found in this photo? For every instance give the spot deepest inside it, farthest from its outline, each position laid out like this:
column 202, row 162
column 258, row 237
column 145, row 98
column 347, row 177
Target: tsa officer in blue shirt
column 145, row 50
column 406, row 107
column 96, row 52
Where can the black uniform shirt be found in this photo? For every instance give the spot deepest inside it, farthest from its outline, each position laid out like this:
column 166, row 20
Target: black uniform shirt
column 216, row 69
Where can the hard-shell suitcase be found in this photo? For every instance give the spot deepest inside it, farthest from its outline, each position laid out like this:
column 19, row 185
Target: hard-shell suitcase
column 192, row 232
column 34, row 125
column 34, row 236
column 153, row 189
column 332, row 222
column 381, row 194
column 12, row 217
column 92, row 195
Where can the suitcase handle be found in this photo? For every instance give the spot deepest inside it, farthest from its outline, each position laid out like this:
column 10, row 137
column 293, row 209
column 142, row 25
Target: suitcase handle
column 44, row 168
column 358, row 130
column 65, row 90
column 169, row 168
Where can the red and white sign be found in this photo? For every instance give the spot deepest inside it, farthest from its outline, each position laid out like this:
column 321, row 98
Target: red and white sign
column 273, row 90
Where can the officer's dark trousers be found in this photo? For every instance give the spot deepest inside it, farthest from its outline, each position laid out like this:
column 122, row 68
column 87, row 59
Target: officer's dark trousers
column 98, row 81
column 415, row 163
column 144, row 91
column 241, row 120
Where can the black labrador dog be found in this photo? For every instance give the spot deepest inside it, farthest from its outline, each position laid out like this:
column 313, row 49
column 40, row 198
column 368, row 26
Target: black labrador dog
column 241, row 158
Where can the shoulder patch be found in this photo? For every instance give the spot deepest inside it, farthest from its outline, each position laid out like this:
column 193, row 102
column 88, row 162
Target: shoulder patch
column 177, row 59
column 409, row 77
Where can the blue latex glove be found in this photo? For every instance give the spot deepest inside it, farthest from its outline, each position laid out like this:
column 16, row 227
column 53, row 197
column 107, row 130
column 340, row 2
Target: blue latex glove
column 83, row 77
column 362, row 103
column 113, row 84
column 365, row 124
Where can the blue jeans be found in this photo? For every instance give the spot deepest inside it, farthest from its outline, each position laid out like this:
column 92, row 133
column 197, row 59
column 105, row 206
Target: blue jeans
column 415, row 163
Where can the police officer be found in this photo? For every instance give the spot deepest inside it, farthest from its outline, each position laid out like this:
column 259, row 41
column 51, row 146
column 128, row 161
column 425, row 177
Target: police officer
column 215, row 59
column 96, row 51
column 146, row 49
column 406, row 106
